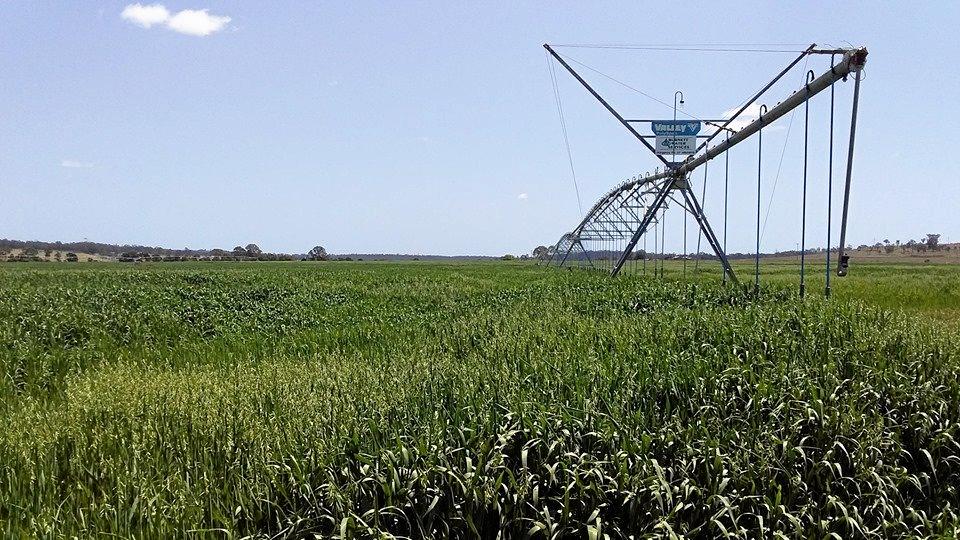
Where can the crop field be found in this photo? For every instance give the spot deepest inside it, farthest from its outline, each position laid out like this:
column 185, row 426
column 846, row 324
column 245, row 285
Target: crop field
column 470, row 400
column 929, row 290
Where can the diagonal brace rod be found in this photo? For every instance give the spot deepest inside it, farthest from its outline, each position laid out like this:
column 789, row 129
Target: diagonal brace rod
column 653, row 209
column 604, row 102
column 708, row 232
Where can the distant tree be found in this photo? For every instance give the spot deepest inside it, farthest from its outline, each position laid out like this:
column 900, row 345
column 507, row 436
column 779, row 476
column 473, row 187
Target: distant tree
column 541, row 252
column 253, row 250
column 933, row 242
column 507, row 257
column 239, row 251
column 47, row 252
column 318, row 253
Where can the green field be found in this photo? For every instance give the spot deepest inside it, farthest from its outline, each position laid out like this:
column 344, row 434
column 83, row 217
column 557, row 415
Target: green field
column 462, row 400
column 930, row 290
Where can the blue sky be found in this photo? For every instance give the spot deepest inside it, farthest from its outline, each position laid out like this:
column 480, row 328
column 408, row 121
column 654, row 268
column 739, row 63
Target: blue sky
column 431, row 127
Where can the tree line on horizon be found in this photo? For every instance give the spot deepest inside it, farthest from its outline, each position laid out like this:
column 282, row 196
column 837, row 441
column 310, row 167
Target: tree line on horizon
column 928, row 242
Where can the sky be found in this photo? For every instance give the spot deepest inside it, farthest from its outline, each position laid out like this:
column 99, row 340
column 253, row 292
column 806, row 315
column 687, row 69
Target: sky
column 432, row 127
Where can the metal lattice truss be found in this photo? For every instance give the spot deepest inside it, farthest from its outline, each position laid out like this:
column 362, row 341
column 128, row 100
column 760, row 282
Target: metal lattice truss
column 613, row 218
column 568, row 248
column 624, row 214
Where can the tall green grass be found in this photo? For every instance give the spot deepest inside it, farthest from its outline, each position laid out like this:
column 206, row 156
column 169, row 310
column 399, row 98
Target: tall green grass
column 464, row 400
column 932, row 290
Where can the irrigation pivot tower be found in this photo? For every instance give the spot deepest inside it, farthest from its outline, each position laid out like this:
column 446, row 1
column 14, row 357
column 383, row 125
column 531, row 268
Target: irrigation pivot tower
column 627, row 212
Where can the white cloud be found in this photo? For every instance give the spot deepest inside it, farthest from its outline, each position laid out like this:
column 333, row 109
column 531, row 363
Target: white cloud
column 522, row 196
column 197, row 22
column 193, row 22
column 751, row 113
column 145, row 16
column 74, row 164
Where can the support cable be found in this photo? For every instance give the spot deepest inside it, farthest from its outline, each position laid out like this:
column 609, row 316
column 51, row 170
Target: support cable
column 726, row 187
column 776, row 178
column 563, row 127
column 603, row 102
column 756, row 270
column 685, row 213
column 703, row 196
column 803, row 206
column 708, row 231
column 852, row 61
column 663, row 240
column 645, row 254
column 783, row 151
column 756, row 96
column 704, row 47
column 826, row 291
column 628, row 87
column 656, row 239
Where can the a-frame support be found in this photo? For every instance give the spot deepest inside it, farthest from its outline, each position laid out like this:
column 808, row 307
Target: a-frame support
column 697, row 210
column 676, row 174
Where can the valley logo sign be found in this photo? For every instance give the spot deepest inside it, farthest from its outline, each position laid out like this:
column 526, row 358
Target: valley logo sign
column 676, row 136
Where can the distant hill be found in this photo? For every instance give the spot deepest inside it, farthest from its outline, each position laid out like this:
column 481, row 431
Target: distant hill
column 114, row 251
column 99, row 248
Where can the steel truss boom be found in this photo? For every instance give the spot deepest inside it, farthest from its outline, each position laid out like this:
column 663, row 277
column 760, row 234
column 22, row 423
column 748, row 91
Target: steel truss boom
column 604, row 221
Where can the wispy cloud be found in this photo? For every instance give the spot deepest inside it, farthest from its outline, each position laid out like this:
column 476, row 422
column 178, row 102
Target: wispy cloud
column 74, row 164
column 523, row 196
column 192, row 22
column 197, row 22
column 748, row 115
column 145, row 16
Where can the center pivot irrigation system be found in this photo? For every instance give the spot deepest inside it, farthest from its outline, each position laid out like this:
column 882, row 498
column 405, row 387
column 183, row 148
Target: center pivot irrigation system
column 623, row 216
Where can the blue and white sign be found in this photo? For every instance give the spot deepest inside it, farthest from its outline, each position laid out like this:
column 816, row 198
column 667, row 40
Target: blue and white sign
column 676, row 145
column 682, row 128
